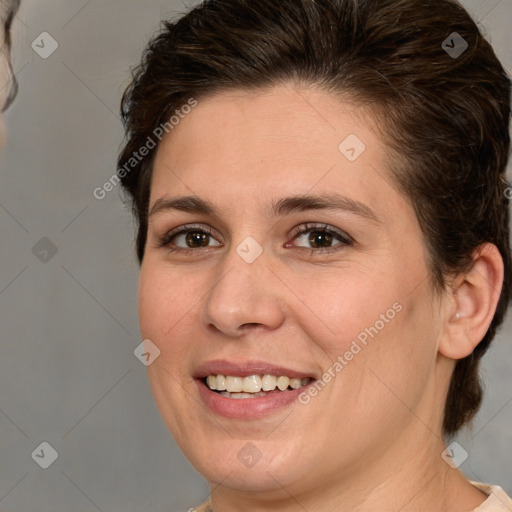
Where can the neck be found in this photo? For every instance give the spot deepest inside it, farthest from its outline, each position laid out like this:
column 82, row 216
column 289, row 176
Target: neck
column 418, row 479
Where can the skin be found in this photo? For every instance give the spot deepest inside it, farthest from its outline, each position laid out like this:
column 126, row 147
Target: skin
column 5, row 73
column 4, row 89
column 7, row 8
column 372, row 439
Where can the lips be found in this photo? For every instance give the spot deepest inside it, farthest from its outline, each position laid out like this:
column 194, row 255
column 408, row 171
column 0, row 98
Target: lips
column 247, row 368
column 248, row 408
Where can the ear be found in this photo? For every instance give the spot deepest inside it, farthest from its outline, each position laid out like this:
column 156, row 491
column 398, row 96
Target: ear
column 473, row 301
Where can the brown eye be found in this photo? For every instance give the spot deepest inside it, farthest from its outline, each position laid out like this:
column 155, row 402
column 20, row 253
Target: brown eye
column 321, row 238
column 197, row 239
column 188, row 238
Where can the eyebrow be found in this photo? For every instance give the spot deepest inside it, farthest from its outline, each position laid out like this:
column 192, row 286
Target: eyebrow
column 277, row 208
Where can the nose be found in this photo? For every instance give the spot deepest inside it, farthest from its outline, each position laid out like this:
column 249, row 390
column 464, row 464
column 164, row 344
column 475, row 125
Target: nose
column 244, row 296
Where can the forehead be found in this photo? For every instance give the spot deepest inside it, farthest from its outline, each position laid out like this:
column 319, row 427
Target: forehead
column 276, row 120
column 255, row 144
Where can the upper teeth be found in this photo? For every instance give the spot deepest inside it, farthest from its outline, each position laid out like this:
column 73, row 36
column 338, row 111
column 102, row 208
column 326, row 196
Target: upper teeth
column 253, row 383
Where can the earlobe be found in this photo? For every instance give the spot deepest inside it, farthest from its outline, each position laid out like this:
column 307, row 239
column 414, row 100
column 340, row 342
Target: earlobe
column 475, row 296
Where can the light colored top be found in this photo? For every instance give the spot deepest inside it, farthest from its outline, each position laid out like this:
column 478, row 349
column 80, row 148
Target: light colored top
column 498, row 500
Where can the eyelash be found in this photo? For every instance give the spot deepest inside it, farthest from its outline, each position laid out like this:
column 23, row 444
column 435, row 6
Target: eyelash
column 345, row 239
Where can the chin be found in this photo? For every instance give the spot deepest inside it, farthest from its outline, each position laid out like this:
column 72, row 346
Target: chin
column 241, row 465
column 251, row 480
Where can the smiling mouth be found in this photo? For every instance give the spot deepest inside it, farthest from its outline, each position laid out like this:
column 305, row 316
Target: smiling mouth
column 254, row 385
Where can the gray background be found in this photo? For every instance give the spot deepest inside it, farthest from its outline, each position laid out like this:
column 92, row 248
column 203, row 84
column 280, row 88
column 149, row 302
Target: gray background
column 68, row 326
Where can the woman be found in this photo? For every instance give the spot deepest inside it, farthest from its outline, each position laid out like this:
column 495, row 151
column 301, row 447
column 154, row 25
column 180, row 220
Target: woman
column 324, row 247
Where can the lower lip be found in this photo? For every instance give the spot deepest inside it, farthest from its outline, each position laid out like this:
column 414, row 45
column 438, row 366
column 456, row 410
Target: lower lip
column 248, row 408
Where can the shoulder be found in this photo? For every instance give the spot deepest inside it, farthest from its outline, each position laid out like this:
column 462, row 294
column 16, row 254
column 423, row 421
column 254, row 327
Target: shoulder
column 204, row 507
column 498, row 500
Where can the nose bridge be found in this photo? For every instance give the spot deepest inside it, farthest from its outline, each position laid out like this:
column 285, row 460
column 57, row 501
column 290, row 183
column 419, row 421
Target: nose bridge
column 242, row 292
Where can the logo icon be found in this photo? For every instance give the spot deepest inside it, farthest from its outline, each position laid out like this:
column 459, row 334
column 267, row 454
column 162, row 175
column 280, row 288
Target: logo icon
column 249, row 250
column 454, row 455
column 249, row 455
column 44, row 45
column 45, row 455
column 44, row 250
column 146, row 352
column 352, row 147
column 455, row 45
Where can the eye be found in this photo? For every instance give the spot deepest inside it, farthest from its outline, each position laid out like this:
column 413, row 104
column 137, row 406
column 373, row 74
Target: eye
column 321, row 238
column 187, row 238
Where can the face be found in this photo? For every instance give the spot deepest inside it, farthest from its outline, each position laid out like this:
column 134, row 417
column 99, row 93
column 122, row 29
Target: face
column 4, row 88
column 5, row 73
column 338, row 289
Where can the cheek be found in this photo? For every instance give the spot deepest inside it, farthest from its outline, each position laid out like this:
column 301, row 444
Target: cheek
column 397, row 361
column 353, row 306
column 375, row 331
column 164, row 307
column 165, row 302
column 151, row 302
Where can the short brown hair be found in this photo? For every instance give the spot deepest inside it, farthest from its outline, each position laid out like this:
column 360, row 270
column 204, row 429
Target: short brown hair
column 446, row 114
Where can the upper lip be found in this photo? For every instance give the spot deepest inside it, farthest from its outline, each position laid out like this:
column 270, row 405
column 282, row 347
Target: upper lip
column 246, row 368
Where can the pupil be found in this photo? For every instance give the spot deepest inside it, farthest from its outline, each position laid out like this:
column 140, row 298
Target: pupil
column 320, row 238
column 200, row 238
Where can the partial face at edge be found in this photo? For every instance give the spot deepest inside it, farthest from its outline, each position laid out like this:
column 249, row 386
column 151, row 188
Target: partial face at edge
column 6, row 7
column 304, row 300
